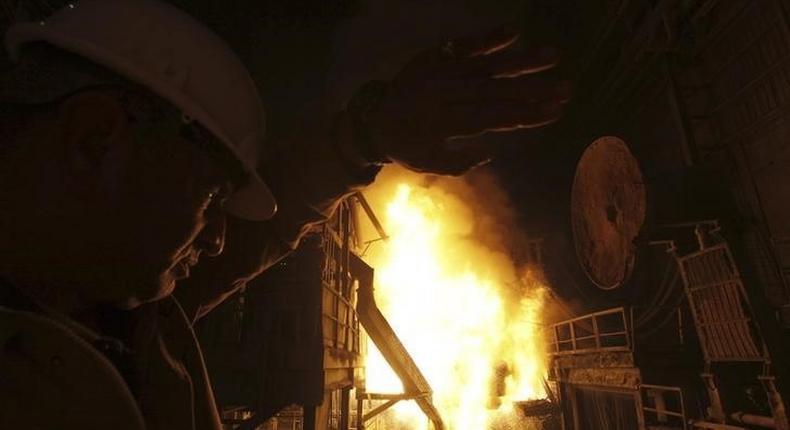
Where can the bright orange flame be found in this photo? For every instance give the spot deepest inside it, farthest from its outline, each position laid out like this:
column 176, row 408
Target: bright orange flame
column 456, row 306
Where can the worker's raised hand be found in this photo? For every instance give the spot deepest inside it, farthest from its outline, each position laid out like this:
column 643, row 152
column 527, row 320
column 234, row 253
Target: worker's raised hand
column 461, row 89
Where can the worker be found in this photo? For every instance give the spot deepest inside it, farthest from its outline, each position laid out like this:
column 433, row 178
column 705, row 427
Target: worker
column 406, row 121
column 126, row 127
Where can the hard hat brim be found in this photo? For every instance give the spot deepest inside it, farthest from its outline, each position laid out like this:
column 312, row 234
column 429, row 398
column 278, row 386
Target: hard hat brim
column 253, row 201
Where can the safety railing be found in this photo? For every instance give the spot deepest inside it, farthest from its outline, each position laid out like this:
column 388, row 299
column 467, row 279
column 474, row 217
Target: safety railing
column 608, row 330
column 663, row 407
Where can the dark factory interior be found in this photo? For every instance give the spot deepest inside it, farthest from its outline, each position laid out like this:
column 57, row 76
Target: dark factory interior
column 442, row 214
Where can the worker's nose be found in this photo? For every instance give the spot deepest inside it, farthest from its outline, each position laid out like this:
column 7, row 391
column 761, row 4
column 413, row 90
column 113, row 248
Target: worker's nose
column 212, row 237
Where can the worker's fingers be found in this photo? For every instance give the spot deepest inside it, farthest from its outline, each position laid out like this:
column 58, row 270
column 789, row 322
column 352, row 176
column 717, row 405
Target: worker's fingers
column 515, row 64
column 468, row 120
column 525, row 89
column 484, row 44
column 504, row 64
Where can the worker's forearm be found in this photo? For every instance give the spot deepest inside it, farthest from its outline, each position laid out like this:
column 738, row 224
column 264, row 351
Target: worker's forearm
column 309, row 177
column 312, row 173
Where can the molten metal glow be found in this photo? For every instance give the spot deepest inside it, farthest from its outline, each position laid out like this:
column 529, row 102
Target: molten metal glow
column 464, row 312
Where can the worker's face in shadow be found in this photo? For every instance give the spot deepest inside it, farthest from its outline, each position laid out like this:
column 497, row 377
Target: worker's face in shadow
column 143, row 201
column 172, row 205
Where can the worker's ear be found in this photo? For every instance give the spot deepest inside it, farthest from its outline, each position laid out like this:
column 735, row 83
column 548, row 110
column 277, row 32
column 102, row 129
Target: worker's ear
column 92, row 125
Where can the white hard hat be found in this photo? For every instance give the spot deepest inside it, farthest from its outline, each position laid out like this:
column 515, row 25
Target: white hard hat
column 163, row 49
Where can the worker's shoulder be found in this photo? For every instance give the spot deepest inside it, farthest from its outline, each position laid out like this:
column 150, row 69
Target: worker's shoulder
column 51, row 378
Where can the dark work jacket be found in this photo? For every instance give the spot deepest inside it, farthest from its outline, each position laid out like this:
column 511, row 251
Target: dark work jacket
column 57, row 374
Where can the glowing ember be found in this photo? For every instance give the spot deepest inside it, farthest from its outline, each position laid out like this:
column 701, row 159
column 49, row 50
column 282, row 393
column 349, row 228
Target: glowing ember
column 464, row 312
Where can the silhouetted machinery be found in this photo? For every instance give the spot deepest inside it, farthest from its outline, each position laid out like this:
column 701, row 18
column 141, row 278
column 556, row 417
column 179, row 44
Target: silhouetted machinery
column 289, row 352
column 672, row 258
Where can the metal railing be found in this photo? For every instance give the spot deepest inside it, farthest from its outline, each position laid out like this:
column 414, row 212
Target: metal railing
column 663, row 407
column 608, row 330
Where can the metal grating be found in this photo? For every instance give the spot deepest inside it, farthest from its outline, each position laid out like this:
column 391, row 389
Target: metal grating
column 717, row 298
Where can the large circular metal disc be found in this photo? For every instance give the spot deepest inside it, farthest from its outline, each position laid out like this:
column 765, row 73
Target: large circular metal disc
column 608, row 203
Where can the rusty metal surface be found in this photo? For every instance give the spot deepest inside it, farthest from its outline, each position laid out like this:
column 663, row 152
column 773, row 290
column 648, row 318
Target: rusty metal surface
column 609, row 359
column 608, row 205
column 626, row 378
column 536, row 407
